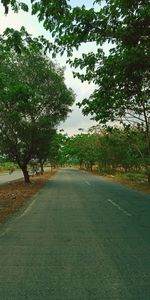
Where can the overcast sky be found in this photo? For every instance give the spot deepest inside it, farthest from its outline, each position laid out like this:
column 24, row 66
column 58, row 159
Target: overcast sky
column 75, row 120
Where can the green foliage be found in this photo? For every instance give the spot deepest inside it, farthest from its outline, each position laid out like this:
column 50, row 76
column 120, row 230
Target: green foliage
column 33, row 99
column 7, row 166
column 111, row 149
column 55, row 150
column 122, row 77
column 15, row 5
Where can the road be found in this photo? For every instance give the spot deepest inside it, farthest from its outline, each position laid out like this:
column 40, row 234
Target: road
column 6, row 177
column 79, row 238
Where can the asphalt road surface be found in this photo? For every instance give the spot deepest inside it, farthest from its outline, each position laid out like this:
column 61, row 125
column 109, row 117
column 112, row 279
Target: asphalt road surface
column 79, row 238
column 6, row 177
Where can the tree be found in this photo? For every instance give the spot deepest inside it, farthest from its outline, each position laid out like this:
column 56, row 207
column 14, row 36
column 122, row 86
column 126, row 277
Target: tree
column 112, row 149
column 75, row 148
column 115, row 152
column 33, row 99
column 43, row 149
column 81, row 150
column 55, row 150
column 122, row 77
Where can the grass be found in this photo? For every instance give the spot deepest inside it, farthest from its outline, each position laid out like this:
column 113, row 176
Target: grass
column 138, row 177
column 6, row 166
column 133, row 180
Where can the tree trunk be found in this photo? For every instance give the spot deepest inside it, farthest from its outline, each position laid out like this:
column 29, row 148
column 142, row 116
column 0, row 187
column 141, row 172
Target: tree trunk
column 148, row 178
column 25, row 174
column 80, row 164
column 42, row 168
column 99, row 166
column 91, row 167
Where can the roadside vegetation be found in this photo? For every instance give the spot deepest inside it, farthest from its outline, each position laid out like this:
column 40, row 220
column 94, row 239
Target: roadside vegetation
column 34, row 103
column 33, row 99
column 116, row 153
column 7, row 166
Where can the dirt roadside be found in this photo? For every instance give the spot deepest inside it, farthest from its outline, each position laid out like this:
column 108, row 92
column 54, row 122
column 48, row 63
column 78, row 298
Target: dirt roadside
column 13, row 195
column 139, row 186
column 142, row 187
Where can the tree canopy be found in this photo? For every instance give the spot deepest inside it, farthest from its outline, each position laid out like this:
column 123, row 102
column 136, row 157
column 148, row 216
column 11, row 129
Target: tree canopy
column 110, row 149
column 122, row 76
column 33, row 100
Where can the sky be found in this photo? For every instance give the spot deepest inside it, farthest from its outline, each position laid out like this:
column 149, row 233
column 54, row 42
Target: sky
column 83, row 90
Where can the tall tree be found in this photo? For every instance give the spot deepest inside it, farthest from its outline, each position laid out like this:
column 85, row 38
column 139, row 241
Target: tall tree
column 122, row 77
column 33, row 99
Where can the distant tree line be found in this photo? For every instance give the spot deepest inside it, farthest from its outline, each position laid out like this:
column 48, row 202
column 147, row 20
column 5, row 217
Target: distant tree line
column 110, row 150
